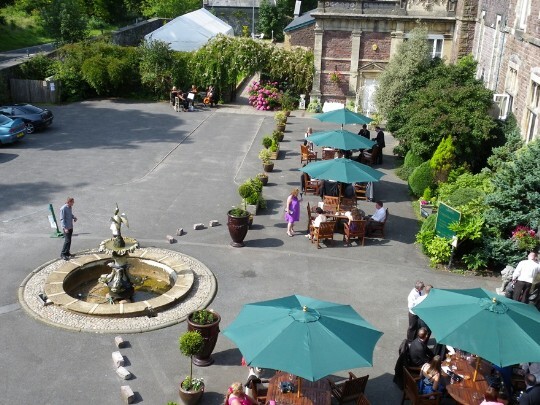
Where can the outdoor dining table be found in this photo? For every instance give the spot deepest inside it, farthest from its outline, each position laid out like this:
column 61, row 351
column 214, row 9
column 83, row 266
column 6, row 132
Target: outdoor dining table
column 311, row 393
column 467, row 391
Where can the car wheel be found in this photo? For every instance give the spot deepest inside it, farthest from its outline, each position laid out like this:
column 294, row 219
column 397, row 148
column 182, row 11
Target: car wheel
column 30, row 128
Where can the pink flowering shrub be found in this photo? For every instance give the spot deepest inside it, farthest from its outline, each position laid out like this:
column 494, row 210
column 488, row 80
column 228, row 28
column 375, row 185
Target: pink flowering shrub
column 265, row 95
column 525, row 238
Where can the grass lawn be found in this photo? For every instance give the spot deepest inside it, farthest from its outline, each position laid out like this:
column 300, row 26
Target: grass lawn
column 20, row 30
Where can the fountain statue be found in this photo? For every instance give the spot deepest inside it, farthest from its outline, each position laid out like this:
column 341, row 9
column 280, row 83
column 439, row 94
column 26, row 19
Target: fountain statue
column 118, row 281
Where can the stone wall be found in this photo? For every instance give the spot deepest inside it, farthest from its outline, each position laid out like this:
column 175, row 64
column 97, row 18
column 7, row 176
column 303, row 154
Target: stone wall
column 132, row 35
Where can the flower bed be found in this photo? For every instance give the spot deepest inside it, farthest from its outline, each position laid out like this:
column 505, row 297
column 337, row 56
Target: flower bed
column 265, row 95
column 525, row 238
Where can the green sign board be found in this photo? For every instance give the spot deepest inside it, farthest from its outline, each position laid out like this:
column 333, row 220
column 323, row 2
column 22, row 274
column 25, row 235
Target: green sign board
column 446, row 216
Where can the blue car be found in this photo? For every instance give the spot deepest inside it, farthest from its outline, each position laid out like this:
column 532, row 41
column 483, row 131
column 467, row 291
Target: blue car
column 34, row 117
column 11, row 130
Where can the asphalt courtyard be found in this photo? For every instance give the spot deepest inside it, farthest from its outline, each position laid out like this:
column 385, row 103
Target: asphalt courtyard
column 168, row 170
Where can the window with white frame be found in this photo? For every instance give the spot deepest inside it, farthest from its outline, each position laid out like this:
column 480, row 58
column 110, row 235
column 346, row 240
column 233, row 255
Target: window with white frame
column 436, row 45
column 522, row 14
column 533, row 108
column 503, row 103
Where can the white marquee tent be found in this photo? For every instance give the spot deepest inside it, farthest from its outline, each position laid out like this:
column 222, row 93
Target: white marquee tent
column 190, row 31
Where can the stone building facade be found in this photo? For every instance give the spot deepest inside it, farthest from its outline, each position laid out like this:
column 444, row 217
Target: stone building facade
column 354, row 40
column 507, row 48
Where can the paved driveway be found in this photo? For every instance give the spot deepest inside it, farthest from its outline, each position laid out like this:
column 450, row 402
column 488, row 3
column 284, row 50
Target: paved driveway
column 168, row 170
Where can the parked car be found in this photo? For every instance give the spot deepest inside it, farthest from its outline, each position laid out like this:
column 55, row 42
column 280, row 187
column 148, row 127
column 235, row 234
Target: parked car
column 33, row 117
column 11, row 130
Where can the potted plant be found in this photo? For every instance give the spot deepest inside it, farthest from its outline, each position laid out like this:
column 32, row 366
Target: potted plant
column 288, row 103
column 274, row 150
column 191, row 389
column 249, row 196
column 238, row 224
column 206, row 323
column 278, row 135
column 263, row 177
column 281, row 120
column 265, row 155
column 267, row 141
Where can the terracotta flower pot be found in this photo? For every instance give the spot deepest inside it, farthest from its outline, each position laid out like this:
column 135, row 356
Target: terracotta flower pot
column 210, row 333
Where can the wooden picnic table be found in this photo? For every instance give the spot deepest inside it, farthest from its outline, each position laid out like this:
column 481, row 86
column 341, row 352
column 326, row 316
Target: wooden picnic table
column 311, row 393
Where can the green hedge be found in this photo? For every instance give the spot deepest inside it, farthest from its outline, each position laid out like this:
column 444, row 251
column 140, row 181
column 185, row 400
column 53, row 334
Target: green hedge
column 410, row 163
column 421, row 178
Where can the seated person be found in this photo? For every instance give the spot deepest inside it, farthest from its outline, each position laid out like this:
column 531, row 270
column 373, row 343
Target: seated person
column 532, row 392
column 261, row 384
column 173, row 95
column 184, row 102
column 315, row 223
column 490, row 397
column 378, row 216
column 330, row 188
column 353, row 215
column 210, row 96
column 419, row 352
column 431, row 377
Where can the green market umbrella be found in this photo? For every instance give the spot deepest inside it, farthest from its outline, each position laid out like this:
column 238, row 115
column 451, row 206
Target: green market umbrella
column 498, row 329
column 343, row 170
column 341, row 139
column 343, row 116
column 303, row 336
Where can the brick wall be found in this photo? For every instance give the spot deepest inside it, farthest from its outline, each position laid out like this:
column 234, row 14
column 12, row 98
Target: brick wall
column 304, row 36
column 337, row 44
column 381, row 39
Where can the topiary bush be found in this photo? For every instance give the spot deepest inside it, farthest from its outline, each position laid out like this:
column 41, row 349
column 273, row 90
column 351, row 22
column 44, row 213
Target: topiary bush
column 410, row 163
column 421, row 178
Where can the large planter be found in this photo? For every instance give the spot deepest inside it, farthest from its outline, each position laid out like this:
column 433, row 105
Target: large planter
column 210, row 334
column 274, row 155
column 238, row 228
column 190, row 397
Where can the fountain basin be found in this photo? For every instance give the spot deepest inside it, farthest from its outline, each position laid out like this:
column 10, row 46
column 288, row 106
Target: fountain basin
column 80, row 274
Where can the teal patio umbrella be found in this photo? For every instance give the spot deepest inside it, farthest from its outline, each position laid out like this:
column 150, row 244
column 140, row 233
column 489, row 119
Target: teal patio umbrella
column 341, row 139
column 343, row 170
column 303, row 336
column 343, row 116
column 498, row 329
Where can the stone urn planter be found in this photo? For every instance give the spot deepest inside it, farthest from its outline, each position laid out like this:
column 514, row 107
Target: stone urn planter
column 267, row 167
column 238, row 224
column 207, row 324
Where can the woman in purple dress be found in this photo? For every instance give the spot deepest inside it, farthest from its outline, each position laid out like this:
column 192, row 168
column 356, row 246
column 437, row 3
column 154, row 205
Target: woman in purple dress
column 292, row 211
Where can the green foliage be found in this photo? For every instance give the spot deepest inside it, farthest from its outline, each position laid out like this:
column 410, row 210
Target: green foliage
column 424, row 238
column 190, row 344
column 180, row 65
column 272, row 19
column 469, row 228
column 429, row 223
column 37, row 68
column 251, row 191
column 443, row 159
column 439, row 250
column 501, row 252
column 156, row 66
column 516, row 194
column 168, row 8
column 410, row 163
column 421, row 178
column 238, row 212
column 513, row 142
column 447, row 99
column 65, row 20
column 428, row 194
column 267, row 142
column 314, row 106
column 288, row 101
column 475, row 260
column 265, row 155
column 203, row 317
column 398, row 79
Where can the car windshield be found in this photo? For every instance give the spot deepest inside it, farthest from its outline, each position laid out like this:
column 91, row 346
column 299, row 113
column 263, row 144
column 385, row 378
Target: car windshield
column 4, row 120
column 29, row 109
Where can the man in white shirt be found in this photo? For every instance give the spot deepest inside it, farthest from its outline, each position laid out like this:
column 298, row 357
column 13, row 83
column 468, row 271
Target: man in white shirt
column 378, row 216
column 524, row 276
column 317, row 221
column 412, row 298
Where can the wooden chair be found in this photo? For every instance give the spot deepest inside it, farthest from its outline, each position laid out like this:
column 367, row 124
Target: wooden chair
column 331, row 202
column 370, row 158
column 355, row 229
column 411, row 391
column 306, row 155
column 311, row 186
column 349, row 390
column 258, row 393
column 376, row 229
column 360, row 189
column 323, row 232
column 346, row 204
column 362, row 400
column 328, row 154
column 309, row 219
